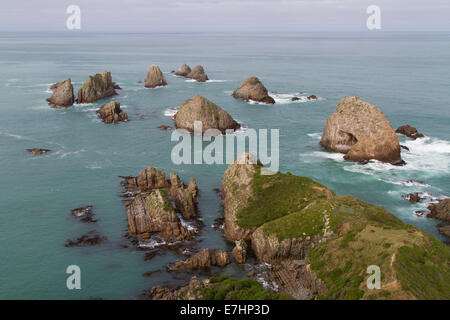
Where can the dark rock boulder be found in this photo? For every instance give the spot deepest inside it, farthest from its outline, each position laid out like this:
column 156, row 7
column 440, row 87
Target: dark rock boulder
column 38, row 151
column 409, row 131
column 89, row 239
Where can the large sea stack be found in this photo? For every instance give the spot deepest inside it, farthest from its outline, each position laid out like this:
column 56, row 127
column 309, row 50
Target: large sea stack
column 201, row 109
column 361, row 131
column 62, row 94
column 97, row 87
column 253, row 89
column 198, row 74
column 155, row 78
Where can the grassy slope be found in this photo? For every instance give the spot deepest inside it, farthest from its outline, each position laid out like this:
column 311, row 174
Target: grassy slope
column 224, row 288
column 413, row 264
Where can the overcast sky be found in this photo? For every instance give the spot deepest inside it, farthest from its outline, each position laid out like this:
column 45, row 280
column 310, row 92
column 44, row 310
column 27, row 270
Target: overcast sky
column 224, row 15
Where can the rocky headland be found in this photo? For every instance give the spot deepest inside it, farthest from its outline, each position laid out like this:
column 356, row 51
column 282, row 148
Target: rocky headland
column 201, row 109
column 252, row 89
column 319, row 245
column 361, row 131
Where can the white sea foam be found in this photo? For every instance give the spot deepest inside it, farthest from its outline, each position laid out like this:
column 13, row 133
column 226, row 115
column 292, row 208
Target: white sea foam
column 316, row 135
column 170, row 112
column 62, row 155
column 215, row 80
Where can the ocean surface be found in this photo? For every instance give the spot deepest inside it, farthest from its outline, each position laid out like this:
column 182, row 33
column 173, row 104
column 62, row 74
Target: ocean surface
column 406, row 75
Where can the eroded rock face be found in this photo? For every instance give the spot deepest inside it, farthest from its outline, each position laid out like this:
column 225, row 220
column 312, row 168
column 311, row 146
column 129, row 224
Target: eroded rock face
column 205, row 259
column 409, row 131
column 237, row 188
column 154, row 213
column 148, row 179
column 97, row 87
column 440, row 210
column 240, row 251
column 185, row 198
column 253, row 89
column 155, row 78
column 183, row 71
column 193, row 291
column 151, row 210
column 111, row 113
column 62, row 94
column 360, row 131
column 198, row 74
column 269, row 249
column 445, row 230
column 201, row 109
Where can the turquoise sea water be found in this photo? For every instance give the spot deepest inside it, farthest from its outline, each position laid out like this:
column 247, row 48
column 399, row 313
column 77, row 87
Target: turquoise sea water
column 406, row 75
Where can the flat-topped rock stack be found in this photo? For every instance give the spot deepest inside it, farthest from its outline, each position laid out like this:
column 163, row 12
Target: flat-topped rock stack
column 111, row 113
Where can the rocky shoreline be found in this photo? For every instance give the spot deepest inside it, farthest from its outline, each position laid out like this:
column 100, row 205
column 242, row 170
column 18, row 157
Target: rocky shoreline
column 315, row 244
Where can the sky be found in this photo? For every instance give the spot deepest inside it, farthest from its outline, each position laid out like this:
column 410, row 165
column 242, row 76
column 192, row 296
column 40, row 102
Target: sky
column 169, row 16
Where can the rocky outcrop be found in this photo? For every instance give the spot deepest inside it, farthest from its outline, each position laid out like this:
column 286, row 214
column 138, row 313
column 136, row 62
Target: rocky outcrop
column 312, row 97
column 240, row 251
column 440, row 210
column 155, row 78
column 150, row 210
column 183, row 71
column 111, row 113
column 148, row 179
column 91, row 238
column 409, row 131
column 155, row 213
column 198, row 74
column 205, row 259
column 445, row 230
column 62, row 94
column 185, row 198
column 38, row 151
column 164, row 127
column 237, row 189
column 85, row 214
column 193, row 291
column 97, row 87
column 360, row 131
column 253, row 89
column 201, row 109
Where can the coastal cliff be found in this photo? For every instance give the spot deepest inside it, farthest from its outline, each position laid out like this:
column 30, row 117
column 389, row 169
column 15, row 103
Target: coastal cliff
column 320, row 244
